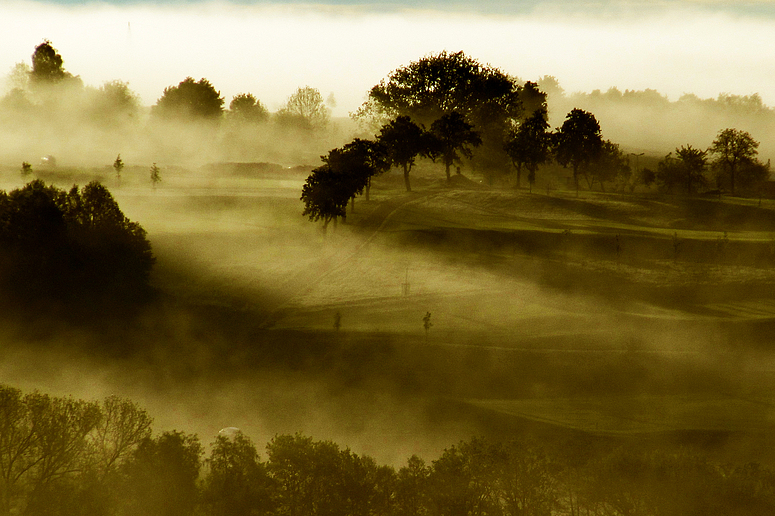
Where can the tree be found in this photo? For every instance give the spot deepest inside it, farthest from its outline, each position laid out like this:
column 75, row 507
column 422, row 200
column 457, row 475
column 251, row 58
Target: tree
column 440, row 84
column 529, row 145
column 462, row 480
column 190, row 100
column 118, row 166
column 411, row 491
column 325, row 195
column 686, row 169
column 66, row 245
column 121, row 429
column 403, row 141
column 578, row 142
column 449, row 135
column 237, row 481
column 47, row 65
column 306, row 109
column 733, row 149
column 114, row 103
column 610, row 165
column 246, row 108
column 161, row 477
column 155, row 175
column 26, row 169
column 360, row 160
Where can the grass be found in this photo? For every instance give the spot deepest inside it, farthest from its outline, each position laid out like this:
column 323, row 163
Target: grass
column 535, row 317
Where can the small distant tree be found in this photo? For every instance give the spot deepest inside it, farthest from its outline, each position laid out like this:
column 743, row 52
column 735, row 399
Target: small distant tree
column 155, row 175
column 610, row 164
column 578, row 142
column 246, row 108
column 450, row 137
column 426, row 323
column 26, row 169
column 732, row 149
column 306, row 109
column 404, row 141
column 685, row 169
column 190, row 100
column 118, row 166
column 529, row 145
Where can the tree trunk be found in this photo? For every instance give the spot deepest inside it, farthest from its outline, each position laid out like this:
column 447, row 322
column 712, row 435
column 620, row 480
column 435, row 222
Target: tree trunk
column 576, row 178
column 352, row 204
column 368, row 189
column 447, row 164
column 519, row 176
column 406, row 178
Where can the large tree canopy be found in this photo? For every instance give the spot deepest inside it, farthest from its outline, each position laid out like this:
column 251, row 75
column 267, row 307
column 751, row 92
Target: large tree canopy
column 437, row 85
column 190, row 100
column 578, row 142
column 733, row 150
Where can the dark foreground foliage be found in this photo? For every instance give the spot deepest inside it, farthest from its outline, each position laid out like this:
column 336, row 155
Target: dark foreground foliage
column 62, row 456
column 71, row 248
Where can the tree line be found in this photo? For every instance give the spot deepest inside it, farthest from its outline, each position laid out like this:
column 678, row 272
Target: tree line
column 41, row 86
column 479, row 114
column 65, row 456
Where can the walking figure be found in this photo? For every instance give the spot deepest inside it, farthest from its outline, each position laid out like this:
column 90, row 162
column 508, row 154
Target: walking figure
column 426, row 323
column 337, row 321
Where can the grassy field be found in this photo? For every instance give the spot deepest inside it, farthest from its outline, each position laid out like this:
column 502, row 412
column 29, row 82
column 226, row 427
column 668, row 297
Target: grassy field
column 608, row 315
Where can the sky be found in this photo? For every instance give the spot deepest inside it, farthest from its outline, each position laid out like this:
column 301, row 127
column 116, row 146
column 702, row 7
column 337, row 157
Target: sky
column 344, row 47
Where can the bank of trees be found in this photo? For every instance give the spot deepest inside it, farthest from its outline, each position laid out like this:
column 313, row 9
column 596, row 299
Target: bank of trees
column 64, row 456
column 77, row 245
column 730, row 165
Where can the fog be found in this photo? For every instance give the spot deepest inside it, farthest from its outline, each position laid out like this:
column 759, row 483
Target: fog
column 620, row 318
column 272, row 48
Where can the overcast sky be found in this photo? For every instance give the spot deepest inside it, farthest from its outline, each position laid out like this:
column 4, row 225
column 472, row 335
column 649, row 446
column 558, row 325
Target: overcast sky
column 344, row 47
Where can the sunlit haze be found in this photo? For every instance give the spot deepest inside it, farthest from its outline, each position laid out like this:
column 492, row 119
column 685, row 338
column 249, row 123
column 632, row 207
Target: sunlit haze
column 271, row 49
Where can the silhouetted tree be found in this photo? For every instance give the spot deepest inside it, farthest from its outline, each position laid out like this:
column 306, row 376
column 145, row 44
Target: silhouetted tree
column 440, row 84
column 462, row 481
column 411, row 488
column 578, row 142
column 60, row 245
column 529, row 145
column 733, row 149
column 450, row 137
column 686, row 169
column 306, row 109
column 359, row 161
column 155, row 175
column 403, row 141
column 118, row 166
column 47, row 65
column 610, row 164
column 325, row 195
column 161, row 477
column 26, row 169
column 246, row 108
column 190, row 100
column 237, row 481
